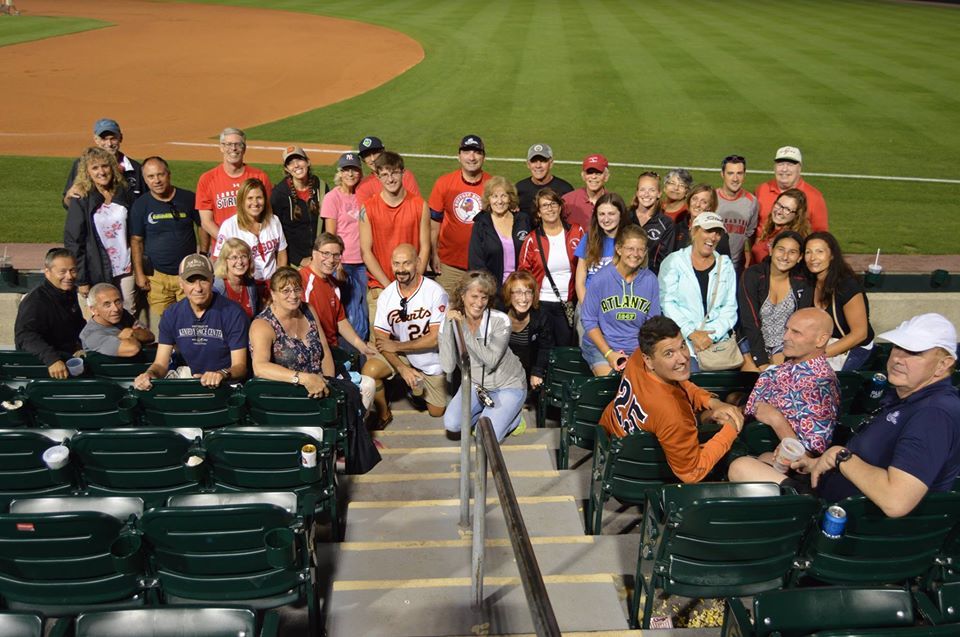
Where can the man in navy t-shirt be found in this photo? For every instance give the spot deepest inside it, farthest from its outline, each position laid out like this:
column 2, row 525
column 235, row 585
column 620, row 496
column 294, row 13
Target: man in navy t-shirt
column 208, row 330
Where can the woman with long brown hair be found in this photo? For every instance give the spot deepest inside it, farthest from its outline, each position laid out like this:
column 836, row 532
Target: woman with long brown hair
column 296, row 203
column 789, row 212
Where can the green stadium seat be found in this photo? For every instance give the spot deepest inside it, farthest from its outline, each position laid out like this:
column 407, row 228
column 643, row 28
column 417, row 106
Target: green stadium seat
column 876, row 549
column 120, row 369
column 187, row 403
column 940, row 602
column 627, row 469
column 268, row 459
column 19, row 368
column 14, row 409
column 22, row 471
column 565, row 364
column 801, row 611
column 21, row 625
column 724, row 383
column 342, row 357
column 877, row 362
column 580, row 413
column 913, row 631
column 254, row 555
column 80, row 403
column 175, row 622
column 718, row 540
column 147, row 463
column 61, row 556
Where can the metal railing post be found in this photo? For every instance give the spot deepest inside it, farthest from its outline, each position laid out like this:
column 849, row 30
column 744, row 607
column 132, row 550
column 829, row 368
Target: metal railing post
column 465, row 426
column 479, row 522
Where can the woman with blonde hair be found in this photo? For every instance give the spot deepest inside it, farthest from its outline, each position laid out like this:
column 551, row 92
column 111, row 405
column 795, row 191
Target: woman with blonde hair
column 97, row 229
column 499, row 383
column 789, row 212
column 233, row 276
column 498, row 230
column 256, row 225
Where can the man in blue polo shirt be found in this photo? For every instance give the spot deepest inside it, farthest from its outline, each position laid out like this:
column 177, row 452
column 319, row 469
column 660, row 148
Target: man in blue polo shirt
column 208, row 330
column 911, row 444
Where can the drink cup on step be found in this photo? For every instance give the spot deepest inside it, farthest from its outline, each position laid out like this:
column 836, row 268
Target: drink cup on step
column 790, row 449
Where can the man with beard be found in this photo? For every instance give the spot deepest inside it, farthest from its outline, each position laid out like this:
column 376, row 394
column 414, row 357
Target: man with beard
column 408, row 317
column 540, row 165
column 656, row 395
column 111, row 330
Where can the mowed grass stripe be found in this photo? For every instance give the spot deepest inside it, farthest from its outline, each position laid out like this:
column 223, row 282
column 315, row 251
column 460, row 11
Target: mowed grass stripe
column 28, row 28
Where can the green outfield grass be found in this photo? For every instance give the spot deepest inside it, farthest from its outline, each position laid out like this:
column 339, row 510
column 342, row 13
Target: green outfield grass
column 861, row 87
column 24, row 28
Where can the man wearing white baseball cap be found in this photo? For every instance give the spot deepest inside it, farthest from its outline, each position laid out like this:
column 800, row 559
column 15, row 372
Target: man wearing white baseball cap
column 911, row 444
column 787, row 164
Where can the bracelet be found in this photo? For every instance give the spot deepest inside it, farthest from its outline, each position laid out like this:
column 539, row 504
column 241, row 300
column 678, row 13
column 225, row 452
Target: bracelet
column 607, row 353
column 225, row 372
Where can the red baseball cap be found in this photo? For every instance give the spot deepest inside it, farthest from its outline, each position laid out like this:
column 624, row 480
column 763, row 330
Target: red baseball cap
column 597, row 162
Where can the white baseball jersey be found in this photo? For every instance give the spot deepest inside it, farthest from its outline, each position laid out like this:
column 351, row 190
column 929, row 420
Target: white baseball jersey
column 425, row 309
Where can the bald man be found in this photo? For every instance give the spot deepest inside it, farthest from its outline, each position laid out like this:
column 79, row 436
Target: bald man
column 409, row 313
column 799, row 399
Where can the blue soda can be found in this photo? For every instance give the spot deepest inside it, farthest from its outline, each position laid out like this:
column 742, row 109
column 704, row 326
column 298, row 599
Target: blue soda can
column 877, row 386
column 834, row 521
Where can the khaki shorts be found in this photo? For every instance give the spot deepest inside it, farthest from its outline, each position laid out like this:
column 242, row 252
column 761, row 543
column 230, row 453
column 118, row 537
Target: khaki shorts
column 372, row 295
column 450, row 278
column 435, row 386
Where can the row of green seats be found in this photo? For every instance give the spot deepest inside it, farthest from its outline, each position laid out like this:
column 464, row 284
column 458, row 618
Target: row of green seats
column 171, row 621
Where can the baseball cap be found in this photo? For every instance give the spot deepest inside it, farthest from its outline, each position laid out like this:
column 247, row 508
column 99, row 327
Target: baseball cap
column 348, row 159
column 369, row 144
column 472, row 142
column 106, row 125
column 196, row 265
column 540, row 150
column 596, row 162
column 789, row 153
column 292, row 151
column 708, row 221
column 924, row 332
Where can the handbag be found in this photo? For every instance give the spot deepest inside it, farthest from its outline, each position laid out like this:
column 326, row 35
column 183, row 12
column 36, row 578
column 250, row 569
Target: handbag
column 725, row 353
column 568, row 310
column 837, row 362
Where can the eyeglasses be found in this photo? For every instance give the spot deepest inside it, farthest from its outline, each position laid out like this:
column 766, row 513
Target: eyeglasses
column 549, row 204
column 677, row 184
column 233, row 144
column 403, row 309
column 329, row 255
column 393, row 174
column 237, row 258
column 291, row 291
column 520, row 294
column 780, row 206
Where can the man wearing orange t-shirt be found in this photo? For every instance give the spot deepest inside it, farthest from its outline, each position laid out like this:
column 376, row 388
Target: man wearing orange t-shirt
column 217, row 188
column 454, row 202
column 387, row 220
column 787, row 164
column 369, row 149
column 656, row 395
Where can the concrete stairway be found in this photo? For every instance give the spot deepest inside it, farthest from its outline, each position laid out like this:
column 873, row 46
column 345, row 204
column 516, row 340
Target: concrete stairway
column 404, row 568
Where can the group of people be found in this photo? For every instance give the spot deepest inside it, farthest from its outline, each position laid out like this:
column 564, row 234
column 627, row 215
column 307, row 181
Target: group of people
column 687, row 277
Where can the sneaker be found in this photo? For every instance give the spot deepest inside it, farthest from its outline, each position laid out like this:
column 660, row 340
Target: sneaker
column 522, row 427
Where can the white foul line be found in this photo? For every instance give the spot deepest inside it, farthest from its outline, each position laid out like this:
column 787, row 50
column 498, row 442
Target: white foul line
column 928, row 180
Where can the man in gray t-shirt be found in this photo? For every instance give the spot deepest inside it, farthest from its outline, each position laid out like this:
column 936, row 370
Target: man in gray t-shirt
column 111, row 330
column 737, row 207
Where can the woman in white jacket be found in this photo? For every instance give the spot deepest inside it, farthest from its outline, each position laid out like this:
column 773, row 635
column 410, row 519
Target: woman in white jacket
column 688, row 279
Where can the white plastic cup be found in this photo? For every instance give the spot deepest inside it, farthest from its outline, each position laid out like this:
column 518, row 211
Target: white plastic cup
column 75, row 366
column 56, row 457
column 874, row 268
column 308, row 456
column 418, row 387
column 789, row 450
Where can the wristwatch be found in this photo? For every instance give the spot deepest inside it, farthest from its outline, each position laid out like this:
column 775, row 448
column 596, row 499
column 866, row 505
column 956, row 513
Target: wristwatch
column 842, row 456
column 225, row 372
column 296, row 379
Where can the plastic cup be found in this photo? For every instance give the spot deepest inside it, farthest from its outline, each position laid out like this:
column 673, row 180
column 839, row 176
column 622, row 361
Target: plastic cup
column 418, row 386
column 75, row 366
column 194, row 461
column 790, row 449
column 56, row 457
column 874, row 268
column 308, row 456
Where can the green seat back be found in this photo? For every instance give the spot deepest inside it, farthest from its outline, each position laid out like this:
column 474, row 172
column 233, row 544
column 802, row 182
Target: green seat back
column 146, row 463
column 79, row 403
column 725, row 382
column 634, row 464
column 121, row 369
column 723, row 539
column 13, row 417
column 912, row 631
column 341, row 357
column 876, row 549
column 852, row 388
column 217, row 553
column 62, row 560
column 564, row 364
column 187, row 403
column 168, row 622
column 582, row 407
column 20, row 625
column 800, row 611
column 759, row 437
column 22, row 470
column 19, row 368
column 877, row 362
column 271, row 402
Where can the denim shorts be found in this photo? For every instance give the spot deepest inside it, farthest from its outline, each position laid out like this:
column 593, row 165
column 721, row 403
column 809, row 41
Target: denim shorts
column 590, row 353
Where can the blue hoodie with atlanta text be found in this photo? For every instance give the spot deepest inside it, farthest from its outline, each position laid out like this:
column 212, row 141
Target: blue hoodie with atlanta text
column 620, row 307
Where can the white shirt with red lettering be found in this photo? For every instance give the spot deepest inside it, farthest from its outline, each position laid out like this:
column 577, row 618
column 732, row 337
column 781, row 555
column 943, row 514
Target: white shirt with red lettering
column 264, row 247
column 425, row 309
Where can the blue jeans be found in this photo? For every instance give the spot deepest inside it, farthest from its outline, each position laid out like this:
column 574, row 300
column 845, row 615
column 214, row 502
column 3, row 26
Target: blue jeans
column 504, row 415
column 856, row 359
column 355, row 298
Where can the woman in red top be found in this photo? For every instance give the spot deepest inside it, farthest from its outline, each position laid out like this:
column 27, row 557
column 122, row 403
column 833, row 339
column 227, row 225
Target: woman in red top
column 233, row 274
column 549, row 248
column 789, row 212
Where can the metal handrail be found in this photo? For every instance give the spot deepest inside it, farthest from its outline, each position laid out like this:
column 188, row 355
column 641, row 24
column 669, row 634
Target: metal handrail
column 538, row 601
column 465, row 425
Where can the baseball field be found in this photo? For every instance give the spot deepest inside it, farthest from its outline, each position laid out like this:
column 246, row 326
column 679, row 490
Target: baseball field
column 868, row 90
